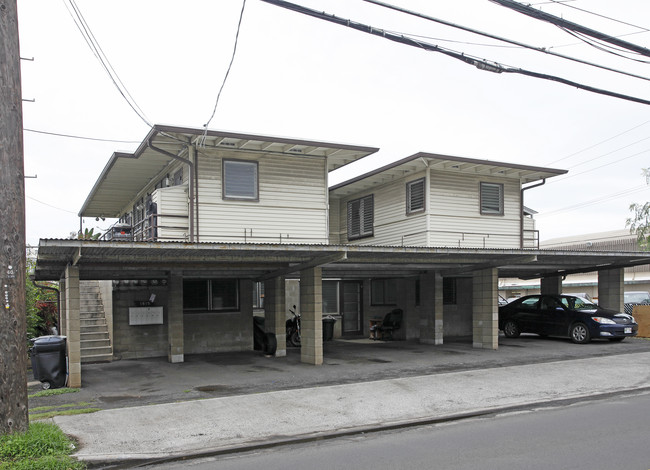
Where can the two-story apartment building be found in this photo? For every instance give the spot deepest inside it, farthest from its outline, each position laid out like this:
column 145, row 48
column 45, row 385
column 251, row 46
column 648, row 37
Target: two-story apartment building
column 211, row 217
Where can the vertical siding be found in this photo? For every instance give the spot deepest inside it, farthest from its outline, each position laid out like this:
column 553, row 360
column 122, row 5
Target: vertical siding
column 292, row 204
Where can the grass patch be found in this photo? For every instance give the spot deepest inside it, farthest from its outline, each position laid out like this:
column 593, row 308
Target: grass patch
column 51, row 414
column 43, row 446
column 52, row 392
column 81, row 404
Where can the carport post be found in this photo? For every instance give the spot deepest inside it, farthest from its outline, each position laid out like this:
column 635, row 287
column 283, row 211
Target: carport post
column 274, row 312
column 311, row 316
column 551, row 285
column 175, row 318
column 73, row 325
column 431, row 319
column 611, row 288
column 484, row 309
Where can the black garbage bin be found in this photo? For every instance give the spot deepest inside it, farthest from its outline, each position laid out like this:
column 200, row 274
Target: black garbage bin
column 328, row 328
column 49, row 361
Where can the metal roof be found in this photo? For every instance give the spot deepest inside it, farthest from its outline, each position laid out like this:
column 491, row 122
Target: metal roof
column 127, row 174
column 143, row 260
column 420, row 161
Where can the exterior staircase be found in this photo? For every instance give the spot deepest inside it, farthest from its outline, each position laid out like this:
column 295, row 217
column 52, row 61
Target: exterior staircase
column 95, row 342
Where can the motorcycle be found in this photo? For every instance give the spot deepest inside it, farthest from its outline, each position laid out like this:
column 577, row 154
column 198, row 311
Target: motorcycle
column 293, row 329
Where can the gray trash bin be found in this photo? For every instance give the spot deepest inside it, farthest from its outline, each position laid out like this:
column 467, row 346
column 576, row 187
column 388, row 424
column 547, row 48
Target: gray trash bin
column 49, row 363
column 328, row 328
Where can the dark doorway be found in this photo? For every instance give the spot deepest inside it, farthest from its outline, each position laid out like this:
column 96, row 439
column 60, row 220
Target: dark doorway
column 351, row 308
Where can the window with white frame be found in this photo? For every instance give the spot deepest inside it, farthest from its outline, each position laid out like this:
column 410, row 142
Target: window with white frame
column 491, row 199
column 415, row 196
column 240, row 180
column 361, row 217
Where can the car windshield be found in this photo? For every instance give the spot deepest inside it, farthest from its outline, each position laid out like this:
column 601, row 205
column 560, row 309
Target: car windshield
column 636, row 297
column 578, row 303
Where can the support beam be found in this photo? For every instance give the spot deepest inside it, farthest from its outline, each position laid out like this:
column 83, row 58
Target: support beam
column 485, row 312
column 73, row 325
column 611, row 288
column 311, row 316
column 551, row 285
column 274, row 313
column 320, row 261
column 175, row 318
column 431, row 319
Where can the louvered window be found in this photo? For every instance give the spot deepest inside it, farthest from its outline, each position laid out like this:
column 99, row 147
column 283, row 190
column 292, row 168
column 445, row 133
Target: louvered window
column 240, row 180
column 415, row 196
column 491, row 199
column 361, row 218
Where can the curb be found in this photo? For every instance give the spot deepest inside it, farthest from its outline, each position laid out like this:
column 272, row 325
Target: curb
column 303, row 439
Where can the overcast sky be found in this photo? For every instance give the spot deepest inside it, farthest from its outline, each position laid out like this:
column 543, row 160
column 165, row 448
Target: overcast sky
column 296, row 76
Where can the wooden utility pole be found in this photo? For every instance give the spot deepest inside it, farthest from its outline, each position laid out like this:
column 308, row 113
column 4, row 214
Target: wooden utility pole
column 13, row 318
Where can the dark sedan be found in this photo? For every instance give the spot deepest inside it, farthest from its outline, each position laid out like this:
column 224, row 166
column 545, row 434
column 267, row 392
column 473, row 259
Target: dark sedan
column 564, row 315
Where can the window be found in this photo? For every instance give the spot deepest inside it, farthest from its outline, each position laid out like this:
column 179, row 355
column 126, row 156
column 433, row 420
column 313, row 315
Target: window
column 240, row 180
column 449, row 290
column 491, row 199
column 361, row 217
column 330, row 297
column 415, row 196
column 211, row 294
column 383, row 292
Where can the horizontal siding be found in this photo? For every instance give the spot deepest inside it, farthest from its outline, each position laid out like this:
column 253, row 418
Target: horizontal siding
column 173, row 223
column 455, row 213
column 292, row 204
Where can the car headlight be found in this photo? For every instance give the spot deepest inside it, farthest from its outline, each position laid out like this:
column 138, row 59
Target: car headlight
column 603, row 320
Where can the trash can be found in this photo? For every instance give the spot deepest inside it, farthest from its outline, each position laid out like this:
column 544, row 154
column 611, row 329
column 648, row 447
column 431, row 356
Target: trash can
column 328, row 328
column 49, row 363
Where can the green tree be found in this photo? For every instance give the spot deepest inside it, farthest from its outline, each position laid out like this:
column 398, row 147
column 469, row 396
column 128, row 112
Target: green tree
column 41, row 305
column 639, row 223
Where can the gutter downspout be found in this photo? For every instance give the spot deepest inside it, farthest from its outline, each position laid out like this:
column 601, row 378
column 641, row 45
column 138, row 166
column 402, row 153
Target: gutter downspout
column 521, row 212
column 191, row 180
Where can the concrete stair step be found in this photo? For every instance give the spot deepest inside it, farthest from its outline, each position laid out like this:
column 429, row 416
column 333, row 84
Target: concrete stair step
column 95, row 350
column 99, row 321
column 94, row 335
column 89, row 359
column 92, row 344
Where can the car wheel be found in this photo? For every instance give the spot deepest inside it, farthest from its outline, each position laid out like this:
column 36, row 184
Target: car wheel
column 579, row 333
column 617, row 340
column 511, row 329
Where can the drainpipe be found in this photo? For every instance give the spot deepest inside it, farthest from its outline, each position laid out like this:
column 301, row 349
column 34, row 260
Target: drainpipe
column 58, row 301
column 191, row 180
column 521, row 212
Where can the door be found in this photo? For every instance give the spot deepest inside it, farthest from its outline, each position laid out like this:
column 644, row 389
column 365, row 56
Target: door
column 351, row 313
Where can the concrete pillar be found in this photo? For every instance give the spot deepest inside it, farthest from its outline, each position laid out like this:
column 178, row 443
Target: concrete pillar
column 62, row 320
column 275, row 314
column 611, row 288
column 485, row 313
column 551, row 285
column 311, row 316
column 175, row 318
column 431, row 306
column 73, row 325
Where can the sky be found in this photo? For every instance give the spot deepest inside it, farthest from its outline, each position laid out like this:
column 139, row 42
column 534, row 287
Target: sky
column 301, row 77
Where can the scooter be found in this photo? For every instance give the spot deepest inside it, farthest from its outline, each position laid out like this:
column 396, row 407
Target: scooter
column 293, row 329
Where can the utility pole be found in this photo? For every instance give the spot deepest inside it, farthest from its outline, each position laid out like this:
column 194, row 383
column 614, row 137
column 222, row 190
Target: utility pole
column 13, row 318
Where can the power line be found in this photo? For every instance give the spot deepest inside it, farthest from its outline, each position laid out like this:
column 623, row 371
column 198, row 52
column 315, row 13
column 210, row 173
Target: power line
column 92, row 42
column 564, row 4
column 232, row 59
column 591, row 202
column 81, row 137
column 479, row 63
column 502, row 39
column 540, row 15
column 50, row 205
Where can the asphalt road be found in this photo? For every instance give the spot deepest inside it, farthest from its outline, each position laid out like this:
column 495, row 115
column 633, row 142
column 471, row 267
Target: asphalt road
column 595, row 434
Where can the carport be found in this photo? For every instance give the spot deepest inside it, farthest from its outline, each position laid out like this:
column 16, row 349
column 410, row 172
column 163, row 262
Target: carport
column 71, row 261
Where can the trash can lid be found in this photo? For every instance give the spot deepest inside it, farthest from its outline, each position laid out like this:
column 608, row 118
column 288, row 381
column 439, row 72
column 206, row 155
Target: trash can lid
column 49, row 343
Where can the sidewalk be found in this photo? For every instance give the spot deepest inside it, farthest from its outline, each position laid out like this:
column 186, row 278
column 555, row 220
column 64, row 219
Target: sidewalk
column 234, row 422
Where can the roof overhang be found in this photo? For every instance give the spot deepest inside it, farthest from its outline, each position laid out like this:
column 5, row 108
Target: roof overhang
column 421, row 161
column 102, row 260
column 126, row 174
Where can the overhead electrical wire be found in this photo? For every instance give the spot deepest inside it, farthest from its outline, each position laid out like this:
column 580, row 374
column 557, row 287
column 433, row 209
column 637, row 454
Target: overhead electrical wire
column 502, row 39
column 50, row 205
column 225, row 78
column 479, row 63
column 591, row 202
column 565, row 4
column 82, row 137
column 92, row 42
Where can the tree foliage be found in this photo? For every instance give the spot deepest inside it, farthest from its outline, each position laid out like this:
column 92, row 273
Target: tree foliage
column 639, row 223
column 41, row 306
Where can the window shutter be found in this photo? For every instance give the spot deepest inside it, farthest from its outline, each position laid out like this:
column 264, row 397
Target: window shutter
column 240, row 179
column 354, row 218
column 415, row 196
column 368, row 215
column 361, row 217
column 491, row 198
